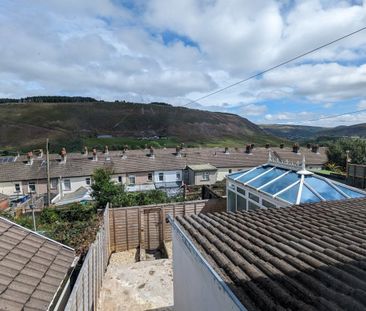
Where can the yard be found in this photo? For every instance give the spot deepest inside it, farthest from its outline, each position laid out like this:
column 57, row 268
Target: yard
column 137, row 286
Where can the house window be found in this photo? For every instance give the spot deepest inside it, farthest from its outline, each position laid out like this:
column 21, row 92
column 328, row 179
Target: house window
column 178, row 176
column 230, row 170
column 205, row 176
column 54, row 183
column 132, row 180
column 17, row 187
column 252, row 206
column 161, row 176
column 149, row 176
column 88, row 181
column 67, row 185
column 120, row 179
column 32, row 186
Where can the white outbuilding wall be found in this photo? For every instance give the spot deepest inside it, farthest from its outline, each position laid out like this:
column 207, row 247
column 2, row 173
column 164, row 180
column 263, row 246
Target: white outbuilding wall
column 169, row 176
column 196, row 284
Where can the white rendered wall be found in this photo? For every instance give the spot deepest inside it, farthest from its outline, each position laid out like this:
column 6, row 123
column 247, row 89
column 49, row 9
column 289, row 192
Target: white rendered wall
column 76, row 183
column 195, row 286
column 169, row 176
column 8, row 188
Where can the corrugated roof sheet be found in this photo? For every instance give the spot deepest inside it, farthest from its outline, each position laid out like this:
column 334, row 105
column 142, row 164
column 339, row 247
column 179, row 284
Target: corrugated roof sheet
column 308, row 257
column 32, row 268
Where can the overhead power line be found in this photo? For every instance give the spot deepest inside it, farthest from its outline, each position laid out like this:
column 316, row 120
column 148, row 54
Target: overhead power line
column 275, row 67
column 335, row 115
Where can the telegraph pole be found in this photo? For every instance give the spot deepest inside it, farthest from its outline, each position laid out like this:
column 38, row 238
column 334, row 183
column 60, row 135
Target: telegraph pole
column 48, row 174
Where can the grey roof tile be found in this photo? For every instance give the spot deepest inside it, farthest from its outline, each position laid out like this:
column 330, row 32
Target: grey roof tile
column 137, row 161
column 307, row 257
column 29, row 278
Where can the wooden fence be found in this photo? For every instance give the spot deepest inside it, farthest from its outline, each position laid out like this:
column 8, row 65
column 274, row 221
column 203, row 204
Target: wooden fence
column 85, row 293
column 146, row 226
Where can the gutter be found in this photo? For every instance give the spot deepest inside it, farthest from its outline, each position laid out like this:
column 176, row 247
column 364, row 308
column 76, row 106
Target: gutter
column 193, row 249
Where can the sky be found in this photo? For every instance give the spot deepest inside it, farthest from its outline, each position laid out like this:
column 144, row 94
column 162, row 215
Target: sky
column 176, row 51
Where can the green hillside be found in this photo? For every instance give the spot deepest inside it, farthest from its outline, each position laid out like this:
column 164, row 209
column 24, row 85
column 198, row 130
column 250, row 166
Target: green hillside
column 25, row 125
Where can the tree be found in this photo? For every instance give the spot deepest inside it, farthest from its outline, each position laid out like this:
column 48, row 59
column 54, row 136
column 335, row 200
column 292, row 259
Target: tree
column 337, row 152
column 104, row 189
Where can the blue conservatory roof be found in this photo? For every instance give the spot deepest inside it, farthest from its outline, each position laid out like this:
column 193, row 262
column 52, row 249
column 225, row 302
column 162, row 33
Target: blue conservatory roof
column 293, row 183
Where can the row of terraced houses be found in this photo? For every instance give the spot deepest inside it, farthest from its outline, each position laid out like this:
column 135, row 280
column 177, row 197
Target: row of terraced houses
column 140, row 170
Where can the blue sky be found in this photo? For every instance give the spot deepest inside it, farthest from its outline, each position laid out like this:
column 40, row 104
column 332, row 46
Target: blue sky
column 177, row 51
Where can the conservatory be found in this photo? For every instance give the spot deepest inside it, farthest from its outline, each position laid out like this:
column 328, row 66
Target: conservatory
column 281, row 184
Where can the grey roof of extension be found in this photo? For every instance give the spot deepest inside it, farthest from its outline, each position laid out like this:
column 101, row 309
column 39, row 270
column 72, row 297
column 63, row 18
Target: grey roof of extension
column 137, row 161
column 307, row 257
column 32, row 268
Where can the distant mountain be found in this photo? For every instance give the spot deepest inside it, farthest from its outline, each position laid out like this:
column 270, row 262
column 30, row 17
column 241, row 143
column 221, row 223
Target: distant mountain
column 29, row 123
column 357, row 130
column 292, row 132
column 299, row 132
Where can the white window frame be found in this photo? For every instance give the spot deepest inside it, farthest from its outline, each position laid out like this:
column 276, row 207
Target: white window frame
column 150, row 176
column 129, row 180
column 161, row 176
column 68, row 183
column 205, row 176
column 88, row 181
column 17, row 185
column 53, row 183
column 120, row 179
column 30, row 186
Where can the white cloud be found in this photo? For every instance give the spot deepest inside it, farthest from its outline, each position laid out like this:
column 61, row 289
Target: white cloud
column 99, row 48
column 362, row 104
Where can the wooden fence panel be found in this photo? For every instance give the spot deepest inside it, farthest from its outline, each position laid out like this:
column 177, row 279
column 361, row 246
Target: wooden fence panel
column 85, row 293
column 145, row 226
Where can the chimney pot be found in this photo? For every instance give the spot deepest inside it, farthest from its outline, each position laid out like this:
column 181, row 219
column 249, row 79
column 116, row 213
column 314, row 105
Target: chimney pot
column 95, row 155
column 106, row 150
column 30, row 157
column 248, row 149
column 267, row 146
column 152, row 155
column 315, row 148
column 86, row 151
column 178, row 151
column 282, row 145
column 295, row 148
column 63, row 155
column 226, row 150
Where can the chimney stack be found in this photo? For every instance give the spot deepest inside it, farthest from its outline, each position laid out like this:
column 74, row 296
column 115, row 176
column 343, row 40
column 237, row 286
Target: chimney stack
column 40, row 154
column 86, row 151
column 152, row 154
column 248, row 149
column 281, row 146
column 226, row 150
column 30, row 158
column 95, row 155
column 295, row 148
column 106, row 150
column 308, row 146
column 63, row 155
column 267, row 146
column 315, row 148
column 178, row 151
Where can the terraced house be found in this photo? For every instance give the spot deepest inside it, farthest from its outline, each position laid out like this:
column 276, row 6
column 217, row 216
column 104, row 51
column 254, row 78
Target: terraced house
column 138, row 170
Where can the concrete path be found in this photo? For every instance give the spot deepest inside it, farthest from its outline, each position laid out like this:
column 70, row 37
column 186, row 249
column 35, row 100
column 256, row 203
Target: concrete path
column 141, row 286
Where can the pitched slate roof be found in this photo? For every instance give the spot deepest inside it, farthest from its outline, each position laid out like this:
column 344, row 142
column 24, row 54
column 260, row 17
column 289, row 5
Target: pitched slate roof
column 308, row 257
column 136, row 161
column 32, row 268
